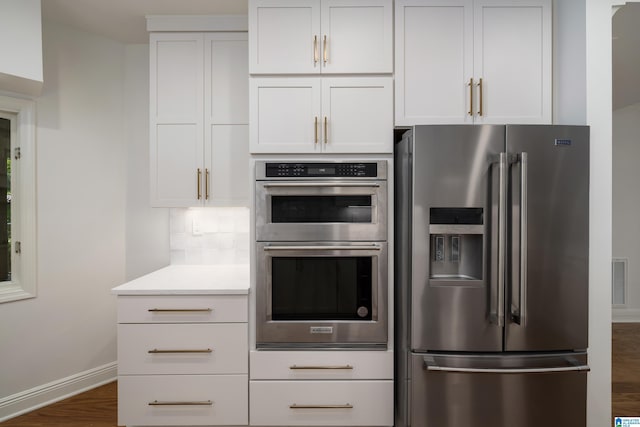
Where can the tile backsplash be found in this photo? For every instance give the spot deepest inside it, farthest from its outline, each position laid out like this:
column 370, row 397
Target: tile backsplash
column 209, row 235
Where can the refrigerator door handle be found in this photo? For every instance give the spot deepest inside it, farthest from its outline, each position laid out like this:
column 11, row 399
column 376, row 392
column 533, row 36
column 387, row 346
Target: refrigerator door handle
column 519, row 313
column 431, row 365
column 502, row 235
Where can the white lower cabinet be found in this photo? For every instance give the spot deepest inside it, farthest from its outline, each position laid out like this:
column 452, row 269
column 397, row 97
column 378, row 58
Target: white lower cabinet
column 321, row 403
column 182, row 400
column 321, row 388
column 183, row 360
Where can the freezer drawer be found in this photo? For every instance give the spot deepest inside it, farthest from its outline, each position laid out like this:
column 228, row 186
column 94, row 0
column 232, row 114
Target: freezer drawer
column 498, row 391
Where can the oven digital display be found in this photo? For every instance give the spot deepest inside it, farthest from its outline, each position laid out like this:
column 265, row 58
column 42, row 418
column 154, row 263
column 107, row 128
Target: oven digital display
column 321, row 171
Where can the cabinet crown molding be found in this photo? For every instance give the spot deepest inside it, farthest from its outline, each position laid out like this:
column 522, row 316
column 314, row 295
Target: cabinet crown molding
column 197, row 23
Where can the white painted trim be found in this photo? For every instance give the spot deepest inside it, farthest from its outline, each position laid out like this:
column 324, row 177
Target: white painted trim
column 46, row 394
column 197, row 23
column 26, row 264
column 625, row 315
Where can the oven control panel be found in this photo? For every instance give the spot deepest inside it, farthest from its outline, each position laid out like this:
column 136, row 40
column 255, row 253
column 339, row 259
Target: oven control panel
column 321, row 170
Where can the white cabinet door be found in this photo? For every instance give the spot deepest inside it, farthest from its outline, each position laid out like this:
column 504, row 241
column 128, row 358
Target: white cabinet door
column 321, row 403
column 357, row 115
column 434, row 61
column 176, row 119
column 357, row 36
column 285, row 115
column 314, row 36
column 226, row 111
column 284, row 36
column 199, row 104
column 183, row 400
column 513, row 58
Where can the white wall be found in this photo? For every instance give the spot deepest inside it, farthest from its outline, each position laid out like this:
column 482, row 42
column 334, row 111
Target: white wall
column 94, row 225
column 626, row 203
column 147, row 229
column 21, row 35
column 598, row 109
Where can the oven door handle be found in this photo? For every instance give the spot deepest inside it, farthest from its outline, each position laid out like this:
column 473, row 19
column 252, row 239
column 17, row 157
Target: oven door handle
column 321, row 184
column 323, row 248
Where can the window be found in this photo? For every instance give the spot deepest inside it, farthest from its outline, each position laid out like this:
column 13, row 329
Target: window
column 17, row 200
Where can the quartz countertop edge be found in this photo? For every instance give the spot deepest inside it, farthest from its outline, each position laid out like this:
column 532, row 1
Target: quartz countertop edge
column 190, row 280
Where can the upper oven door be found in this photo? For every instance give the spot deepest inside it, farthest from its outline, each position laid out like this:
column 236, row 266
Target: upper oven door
column 321, row 210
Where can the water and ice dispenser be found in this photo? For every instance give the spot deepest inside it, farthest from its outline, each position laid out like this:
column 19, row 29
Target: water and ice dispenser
column 456, row 236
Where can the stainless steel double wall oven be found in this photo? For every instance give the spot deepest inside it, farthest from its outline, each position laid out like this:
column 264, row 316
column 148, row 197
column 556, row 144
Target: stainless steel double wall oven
column 321, row 254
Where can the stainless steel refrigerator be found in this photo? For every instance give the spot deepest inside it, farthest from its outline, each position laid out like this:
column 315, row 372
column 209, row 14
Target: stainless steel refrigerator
column 491, row 256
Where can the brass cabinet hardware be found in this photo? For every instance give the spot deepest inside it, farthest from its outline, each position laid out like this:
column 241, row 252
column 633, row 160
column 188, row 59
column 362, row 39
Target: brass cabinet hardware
column 324, row 50
column 470, row 84
column 156, row 351
column 180, row 310
column 187, row 403
column 199, row 178
column 206, row 183
column 321, row 367
column 315, row 127
column 480, row 93
column 345, row 406
column 315, row 50
column 326, row 136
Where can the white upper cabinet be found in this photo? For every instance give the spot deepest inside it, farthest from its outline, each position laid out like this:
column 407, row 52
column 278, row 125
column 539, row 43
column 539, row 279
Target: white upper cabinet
column 320, row 36
column 473, row 61
column 321, row 115
column 199, row 121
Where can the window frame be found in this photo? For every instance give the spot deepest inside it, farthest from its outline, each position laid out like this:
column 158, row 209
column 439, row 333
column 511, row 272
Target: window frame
column 23, row 282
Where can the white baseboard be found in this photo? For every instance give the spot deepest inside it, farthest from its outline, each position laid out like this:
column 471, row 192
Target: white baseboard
column 46, row 394
column 622, row 315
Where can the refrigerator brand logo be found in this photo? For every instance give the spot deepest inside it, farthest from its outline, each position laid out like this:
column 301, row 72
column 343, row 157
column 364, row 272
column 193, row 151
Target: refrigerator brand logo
column 563, row 142
column 627, row 421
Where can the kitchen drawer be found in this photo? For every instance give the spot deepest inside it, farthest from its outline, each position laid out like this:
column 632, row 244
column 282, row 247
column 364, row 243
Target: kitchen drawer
column 183, row 349
column 324, row 365
column 228, row 395
column 321, row 403
column 182, row 309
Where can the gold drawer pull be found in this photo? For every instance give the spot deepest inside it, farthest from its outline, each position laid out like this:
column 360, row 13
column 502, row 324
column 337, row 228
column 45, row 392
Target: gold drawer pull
column 180, row 310
column 345, row 406
column 187, row 403
column 156, row 351
column 321, row 367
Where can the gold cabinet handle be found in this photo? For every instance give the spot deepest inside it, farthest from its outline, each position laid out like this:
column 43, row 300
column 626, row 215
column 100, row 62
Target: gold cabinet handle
column 345, row 406
column 325, row 55
column 187, row 403
column 315, row 50
column 315, row 127
column 470, row 84
column 156, row 351
column 321, row 367
column 480, row 93
column 206, row 183
column 326, row 136
column 199, row 177
column 180, row 310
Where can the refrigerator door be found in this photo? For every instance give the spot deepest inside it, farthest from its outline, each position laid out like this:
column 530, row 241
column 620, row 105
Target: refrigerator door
column 547, row 282
column 454, row 197
column 499, row 391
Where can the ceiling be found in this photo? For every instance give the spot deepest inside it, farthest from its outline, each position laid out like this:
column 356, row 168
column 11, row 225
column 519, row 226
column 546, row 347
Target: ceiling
column 124, row 20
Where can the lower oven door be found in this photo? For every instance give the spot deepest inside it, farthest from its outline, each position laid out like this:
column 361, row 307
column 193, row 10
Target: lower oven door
column 321, row 295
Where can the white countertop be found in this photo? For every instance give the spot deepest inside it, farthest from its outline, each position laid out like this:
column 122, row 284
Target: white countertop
column 190, row 280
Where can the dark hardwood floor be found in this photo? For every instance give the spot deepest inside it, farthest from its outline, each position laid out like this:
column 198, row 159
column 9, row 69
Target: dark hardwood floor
column 98, row 407
column 625, row 373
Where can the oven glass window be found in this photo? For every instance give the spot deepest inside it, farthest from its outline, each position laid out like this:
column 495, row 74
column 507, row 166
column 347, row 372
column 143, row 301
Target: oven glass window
column 321, row 288
column 349, row 209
